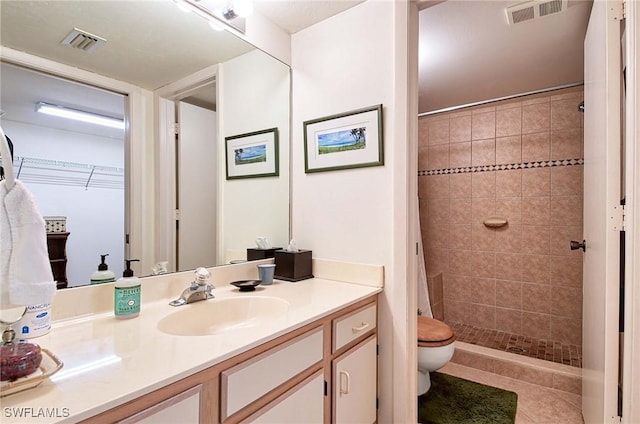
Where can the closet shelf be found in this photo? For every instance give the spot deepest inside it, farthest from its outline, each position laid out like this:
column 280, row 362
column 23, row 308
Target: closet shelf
column 47, row 171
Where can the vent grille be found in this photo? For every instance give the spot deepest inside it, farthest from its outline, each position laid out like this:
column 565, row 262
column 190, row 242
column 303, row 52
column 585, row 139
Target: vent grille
column 82, row 40
column 534, row 9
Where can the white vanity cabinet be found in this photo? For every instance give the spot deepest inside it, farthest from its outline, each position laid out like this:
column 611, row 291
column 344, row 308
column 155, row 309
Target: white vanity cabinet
column 323, row 372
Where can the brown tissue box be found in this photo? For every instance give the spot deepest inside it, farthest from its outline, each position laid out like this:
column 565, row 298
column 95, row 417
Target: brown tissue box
column 254, row 254
column 293, row 266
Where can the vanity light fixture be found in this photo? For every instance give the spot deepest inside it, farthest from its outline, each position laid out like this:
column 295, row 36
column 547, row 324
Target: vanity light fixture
column 79, row 115
column 220, row 16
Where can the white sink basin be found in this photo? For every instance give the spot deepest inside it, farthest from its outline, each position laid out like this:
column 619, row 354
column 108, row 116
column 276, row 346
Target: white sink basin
column 217, row 316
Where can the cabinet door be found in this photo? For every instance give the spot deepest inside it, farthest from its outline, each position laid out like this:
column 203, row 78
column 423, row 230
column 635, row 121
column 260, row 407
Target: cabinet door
column 302, row 404
column 183, row 408
column 355, row 380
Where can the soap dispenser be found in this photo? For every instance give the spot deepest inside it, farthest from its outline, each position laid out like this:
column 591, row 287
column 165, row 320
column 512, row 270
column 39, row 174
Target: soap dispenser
column 126, row 302
column 103, row 275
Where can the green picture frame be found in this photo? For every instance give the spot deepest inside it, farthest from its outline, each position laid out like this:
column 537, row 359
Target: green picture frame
column 347, row 140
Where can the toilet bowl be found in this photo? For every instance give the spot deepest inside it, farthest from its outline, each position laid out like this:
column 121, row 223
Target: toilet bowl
column 435, row 348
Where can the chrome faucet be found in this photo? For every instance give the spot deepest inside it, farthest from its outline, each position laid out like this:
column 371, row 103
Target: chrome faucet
column 198, row 290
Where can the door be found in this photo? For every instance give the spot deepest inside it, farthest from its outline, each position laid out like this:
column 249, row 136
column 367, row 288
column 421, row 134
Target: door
column 196, row 186
column 602, row 196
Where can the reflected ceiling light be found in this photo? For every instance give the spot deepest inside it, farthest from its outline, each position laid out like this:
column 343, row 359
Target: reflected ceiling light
column 241, row 8
column 79, row 115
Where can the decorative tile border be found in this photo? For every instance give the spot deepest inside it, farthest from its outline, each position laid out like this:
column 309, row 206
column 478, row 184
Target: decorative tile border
column 503, row 167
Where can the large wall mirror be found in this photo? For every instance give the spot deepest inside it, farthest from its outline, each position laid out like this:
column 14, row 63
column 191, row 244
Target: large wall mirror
column 145, row 191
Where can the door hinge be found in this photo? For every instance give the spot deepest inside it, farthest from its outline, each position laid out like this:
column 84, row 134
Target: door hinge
column 377, row 350
column 177, row 214
column 176, row 128
column 325, row 387
column 126, row 238
column 617, row 218
column 617, row 10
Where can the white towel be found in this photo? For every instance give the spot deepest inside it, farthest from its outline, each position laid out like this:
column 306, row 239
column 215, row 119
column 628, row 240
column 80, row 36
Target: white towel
column 25, row 271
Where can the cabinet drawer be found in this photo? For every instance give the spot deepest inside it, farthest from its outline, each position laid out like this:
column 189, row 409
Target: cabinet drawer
column 252, row 379
column 352, row 326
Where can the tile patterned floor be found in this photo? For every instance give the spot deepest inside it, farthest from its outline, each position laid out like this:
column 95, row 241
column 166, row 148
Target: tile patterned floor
column 536, row 404
column 547, row 350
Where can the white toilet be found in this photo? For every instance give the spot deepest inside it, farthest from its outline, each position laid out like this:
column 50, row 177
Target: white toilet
column 435, row 348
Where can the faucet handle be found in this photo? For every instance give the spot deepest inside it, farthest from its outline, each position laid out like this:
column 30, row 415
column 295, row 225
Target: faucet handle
column 202, row 275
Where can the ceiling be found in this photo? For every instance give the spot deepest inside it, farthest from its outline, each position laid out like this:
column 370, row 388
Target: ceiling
column 467, row 50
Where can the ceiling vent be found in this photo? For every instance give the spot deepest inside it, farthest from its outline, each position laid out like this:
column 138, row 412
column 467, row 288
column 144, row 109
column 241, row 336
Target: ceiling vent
column 534, row 9
column 82, row 40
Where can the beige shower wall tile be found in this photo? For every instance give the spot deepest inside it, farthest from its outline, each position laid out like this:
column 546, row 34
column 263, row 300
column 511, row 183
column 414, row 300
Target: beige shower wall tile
column 508, row 121
column 509, row 294
column 566, row 210
column 483, row 152
column 483, row 184
column 565, row 114
column 569, row 330
column 483, row 125
column 536, row 325
column 566, row 271
column 566, row 302
column 437, row 260
column 460, row 262
column 457, row 288
column 536, row 298
column 460, row 186
column 438, row 156
column 482, row 291
column 436, row 186
column 509, row 266
column 561, row 238
column 536, row 182
column 439, row 132
column 566, row 180
column 423, row 159
column 509, row 320
column 460, row 210
column 483, row 238
column 536, row 147
column 536, row 268
column 459, row 236
column 437, row 235
column 536, row 210
column 460, row 129
column 438, row 211
column 509, row 183
column 509, row 239
column 482, row 208
column 483, row 264
column 567, row 144
column 423, row 132
column 508, row 150
column 535, row 239
column 482, row 316
column 536, row 117
column 460, row 155
column 510, row 208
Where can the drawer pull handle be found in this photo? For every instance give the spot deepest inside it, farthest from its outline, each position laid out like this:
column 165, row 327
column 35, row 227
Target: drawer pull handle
column 345, row 390
column 362, row 327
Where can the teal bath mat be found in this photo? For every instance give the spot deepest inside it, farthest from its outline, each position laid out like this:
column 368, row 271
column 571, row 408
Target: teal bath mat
column 453, row 400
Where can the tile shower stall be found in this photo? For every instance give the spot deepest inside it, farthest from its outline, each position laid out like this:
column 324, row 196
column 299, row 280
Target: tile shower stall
column 519, row 287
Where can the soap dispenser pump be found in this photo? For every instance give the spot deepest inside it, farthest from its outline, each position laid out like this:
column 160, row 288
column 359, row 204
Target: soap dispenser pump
column 103, row 275
column 126, row 302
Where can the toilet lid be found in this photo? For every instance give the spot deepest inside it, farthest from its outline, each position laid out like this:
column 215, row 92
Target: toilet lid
column 432, row 330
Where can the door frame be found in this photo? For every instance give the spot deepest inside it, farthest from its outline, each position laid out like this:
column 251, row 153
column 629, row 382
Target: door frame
column 165, row 173
column 631, row 367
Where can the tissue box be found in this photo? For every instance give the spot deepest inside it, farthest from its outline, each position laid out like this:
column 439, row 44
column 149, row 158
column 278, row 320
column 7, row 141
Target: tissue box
column 255, row 254
column 293, row 266
column 55, row 224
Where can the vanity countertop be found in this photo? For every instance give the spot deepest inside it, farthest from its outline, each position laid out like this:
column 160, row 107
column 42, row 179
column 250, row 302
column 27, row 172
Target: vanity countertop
column 108, row 362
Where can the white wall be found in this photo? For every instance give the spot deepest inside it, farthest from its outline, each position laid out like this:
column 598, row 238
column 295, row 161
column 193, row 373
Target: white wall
column 352, row 60
column 95, row 216
column 256, row 206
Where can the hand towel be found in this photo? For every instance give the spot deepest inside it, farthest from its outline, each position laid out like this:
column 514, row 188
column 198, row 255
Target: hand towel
column 25, row 272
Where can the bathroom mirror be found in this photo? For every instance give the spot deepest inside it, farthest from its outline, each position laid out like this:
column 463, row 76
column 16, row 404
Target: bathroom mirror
column 152, row 45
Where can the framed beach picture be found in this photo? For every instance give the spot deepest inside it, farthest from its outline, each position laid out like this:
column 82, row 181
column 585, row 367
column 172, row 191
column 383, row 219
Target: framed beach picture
column 252, row 155
column 344, row 141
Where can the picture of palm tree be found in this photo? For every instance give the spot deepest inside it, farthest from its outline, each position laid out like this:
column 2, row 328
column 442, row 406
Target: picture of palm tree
column 253, row 154
column 341, row 141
